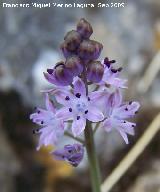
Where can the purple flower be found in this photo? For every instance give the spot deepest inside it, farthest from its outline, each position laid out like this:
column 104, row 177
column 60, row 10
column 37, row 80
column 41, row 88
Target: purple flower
column 77, row 106
column 117, row 113
column 111, row 75
column 73, row 154
column 51, row 127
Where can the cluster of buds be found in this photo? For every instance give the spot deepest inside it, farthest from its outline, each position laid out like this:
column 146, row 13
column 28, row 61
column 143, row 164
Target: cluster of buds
column 71, row 78
column 79, row 52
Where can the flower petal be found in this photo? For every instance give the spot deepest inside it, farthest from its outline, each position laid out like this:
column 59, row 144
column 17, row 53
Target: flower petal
column 96, row 95
column 115, row 99
column 126, row 110
column 51, row 79
column 117, row 82
column 94, row 114
column 124, row 135
column 61, row 96
column 49, row 104
column 107, row 125
column 78, row 126
column 79, row 86
column 64, row 113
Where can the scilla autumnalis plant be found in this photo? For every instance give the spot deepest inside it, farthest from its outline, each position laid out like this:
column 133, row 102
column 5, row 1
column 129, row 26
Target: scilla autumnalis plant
column 80, row 107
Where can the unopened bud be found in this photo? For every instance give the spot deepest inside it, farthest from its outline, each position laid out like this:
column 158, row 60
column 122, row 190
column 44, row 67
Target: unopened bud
column 59, row 75
column 62, row 75
column 74, row 65
column 84, row 28
column 72, row 40
column 95, row 71
column 66, row 52
column 90, row 50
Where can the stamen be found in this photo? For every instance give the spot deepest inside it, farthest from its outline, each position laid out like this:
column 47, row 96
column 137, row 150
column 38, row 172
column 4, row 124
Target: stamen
column 78, row 117
column 130, row 102
column 126, row 109
column 124, row 122
column 136, row 112
column 86, row 112
column 70, row 109
column 42, row 122
column 67, row 98
column 38, row 111
column 89, row 99
column 133, row 125
column 78, row 95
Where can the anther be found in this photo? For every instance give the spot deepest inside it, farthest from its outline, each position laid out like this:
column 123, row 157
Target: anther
column 50, row 71
column 133, row 125
column 126, row 109
column 86, row 112
column 112, row 61
column 114, row 70
column 130, row 102
column 136, row 112
column 78, row 117
column 67, row 98
column 124, row 122
column 119, row 69
column 89, row 99
column 78, row 95
column 70, row 109
column 42, row 122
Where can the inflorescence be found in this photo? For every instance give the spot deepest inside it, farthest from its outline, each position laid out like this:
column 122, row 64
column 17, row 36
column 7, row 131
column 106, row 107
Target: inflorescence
column 71, row 79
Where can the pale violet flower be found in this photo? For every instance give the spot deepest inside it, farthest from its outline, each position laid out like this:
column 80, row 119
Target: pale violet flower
column 77, row 106
column 117, row 113
column 51, row 127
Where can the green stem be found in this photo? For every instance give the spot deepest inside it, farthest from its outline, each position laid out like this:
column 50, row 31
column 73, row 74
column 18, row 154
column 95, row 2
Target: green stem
column 92, row 158
column 75, row 138
column 91, row 152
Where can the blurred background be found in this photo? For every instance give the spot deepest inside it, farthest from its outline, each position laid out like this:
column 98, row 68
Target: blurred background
column 29, row 44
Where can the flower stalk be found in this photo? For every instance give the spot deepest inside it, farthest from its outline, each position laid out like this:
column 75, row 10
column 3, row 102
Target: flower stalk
column 92, row 158
column 90, row 148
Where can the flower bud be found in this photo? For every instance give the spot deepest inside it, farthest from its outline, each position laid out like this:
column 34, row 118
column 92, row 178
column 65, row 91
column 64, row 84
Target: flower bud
column 62, row 74
column 84, row 28
column 95, row 71
column 65, row 50
column 90, row 50
column 74, row 65
column 59, row 76
column 72, row 40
